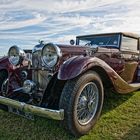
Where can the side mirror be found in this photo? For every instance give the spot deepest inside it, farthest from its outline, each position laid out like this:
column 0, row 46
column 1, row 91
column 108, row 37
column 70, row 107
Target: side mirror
column 72, row 42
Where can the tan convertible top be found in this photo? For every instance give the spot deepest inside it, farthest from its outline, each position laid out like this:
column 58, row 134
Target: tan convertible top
column 129, row 34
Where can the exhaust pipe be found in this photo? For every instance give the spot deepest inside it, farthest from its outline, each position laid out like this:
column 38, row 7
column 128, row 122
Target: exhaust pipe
column 39, row 111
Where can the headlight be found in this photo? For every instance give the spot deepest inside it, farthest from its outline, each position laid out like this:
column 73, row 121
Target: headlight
column 16, row 55
column 28, row 86
column 50, row 55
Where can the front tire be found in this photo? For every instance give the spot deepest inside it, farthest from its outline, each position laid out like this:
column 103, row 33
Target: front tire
column 82, row 101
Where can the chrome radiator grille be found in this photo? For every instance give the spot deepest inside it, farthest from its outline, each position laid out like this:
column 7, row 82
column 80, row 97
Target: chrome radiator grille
column 39, row 76
column 36, row 59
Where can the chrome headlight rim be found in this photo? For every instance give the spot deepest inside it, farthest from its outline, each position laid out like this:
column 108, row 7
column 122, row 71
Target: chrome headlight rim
column 18, row 58
column 58, row 55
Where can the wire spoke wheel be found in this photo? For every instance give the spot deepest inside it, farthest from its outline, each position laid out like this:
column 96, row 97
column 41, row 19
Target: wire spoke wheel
column 87, row 103
column 82, row 101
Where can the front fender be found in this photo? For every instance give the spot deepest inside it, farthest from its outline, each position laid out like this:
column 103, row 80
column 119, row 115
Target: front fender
column 78, row 64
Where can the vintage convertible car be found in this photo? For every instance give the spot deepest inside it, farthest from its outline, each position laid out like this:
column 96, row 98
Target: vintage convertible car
column 67, row 82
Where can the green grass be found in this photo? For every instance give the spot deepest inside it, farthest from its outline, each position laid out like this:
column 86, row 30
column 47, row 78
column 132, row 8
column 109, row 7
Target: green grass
column 120, row 120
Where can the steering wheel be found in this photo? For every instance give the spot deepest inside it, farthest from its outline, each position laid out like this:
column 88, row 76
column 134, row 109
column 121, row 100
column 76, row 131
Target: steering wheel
column 88, row 44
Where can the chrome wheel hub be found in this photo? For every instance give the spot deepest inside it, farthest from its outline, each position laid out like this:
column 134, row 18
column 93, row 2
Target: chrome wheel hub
column 91, row 105
column 83, row 101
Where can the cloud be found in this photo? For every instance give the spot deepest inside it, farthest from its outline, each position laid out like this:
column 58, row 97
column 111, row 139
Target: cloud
column 13, row 23
column 24, row 22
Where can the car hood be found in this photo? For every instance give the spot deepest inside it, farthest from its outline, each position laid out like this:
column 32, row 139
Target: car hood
column 73, row 49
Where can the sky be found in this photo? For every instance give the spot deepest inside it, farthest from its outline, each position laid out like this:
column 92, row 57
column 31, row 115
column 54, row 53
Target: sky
column 25, row 22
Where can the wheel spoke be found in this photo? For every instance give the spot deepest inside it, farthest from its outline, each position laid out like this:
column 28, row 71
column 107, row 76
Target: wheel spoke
column 81, row 114
column 81, row 108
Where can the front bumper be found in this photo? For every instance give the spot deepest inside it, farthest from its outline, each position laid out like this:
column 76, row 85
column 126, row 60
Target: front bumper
column 39, row 111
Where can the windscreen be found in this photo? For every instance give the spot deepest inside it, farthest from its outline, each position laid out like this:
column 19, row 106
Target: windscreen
column 96, row 41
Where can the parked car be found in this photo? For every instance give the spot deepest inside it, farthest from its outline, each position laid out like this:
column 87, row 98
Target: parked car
column 67, row 82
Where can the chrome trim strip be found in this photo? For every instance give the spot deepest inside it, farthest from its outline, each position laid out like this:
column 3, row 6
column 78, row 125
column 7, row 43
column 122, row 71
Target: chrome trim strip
column 39, row 111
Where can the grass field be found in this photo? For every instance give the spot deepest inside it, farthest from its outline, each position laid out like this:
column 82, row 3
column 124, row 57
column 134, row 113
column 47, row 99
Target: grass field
column 120, row 120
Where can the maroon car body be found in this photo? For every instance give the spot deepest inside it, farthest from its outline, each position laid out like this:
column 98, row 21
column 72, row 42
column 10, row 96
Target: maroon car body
column 53, row 80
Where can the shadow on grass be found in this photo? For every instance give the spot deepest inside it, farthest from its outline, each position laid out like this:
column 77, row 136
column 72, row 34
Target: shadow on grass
column 52, row 130
column 18, row 128
column 113, row 100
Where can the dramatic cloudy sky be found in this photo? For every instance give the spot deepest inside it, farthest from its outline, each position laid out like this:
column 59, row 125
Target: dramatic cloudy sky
column 24, row 22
